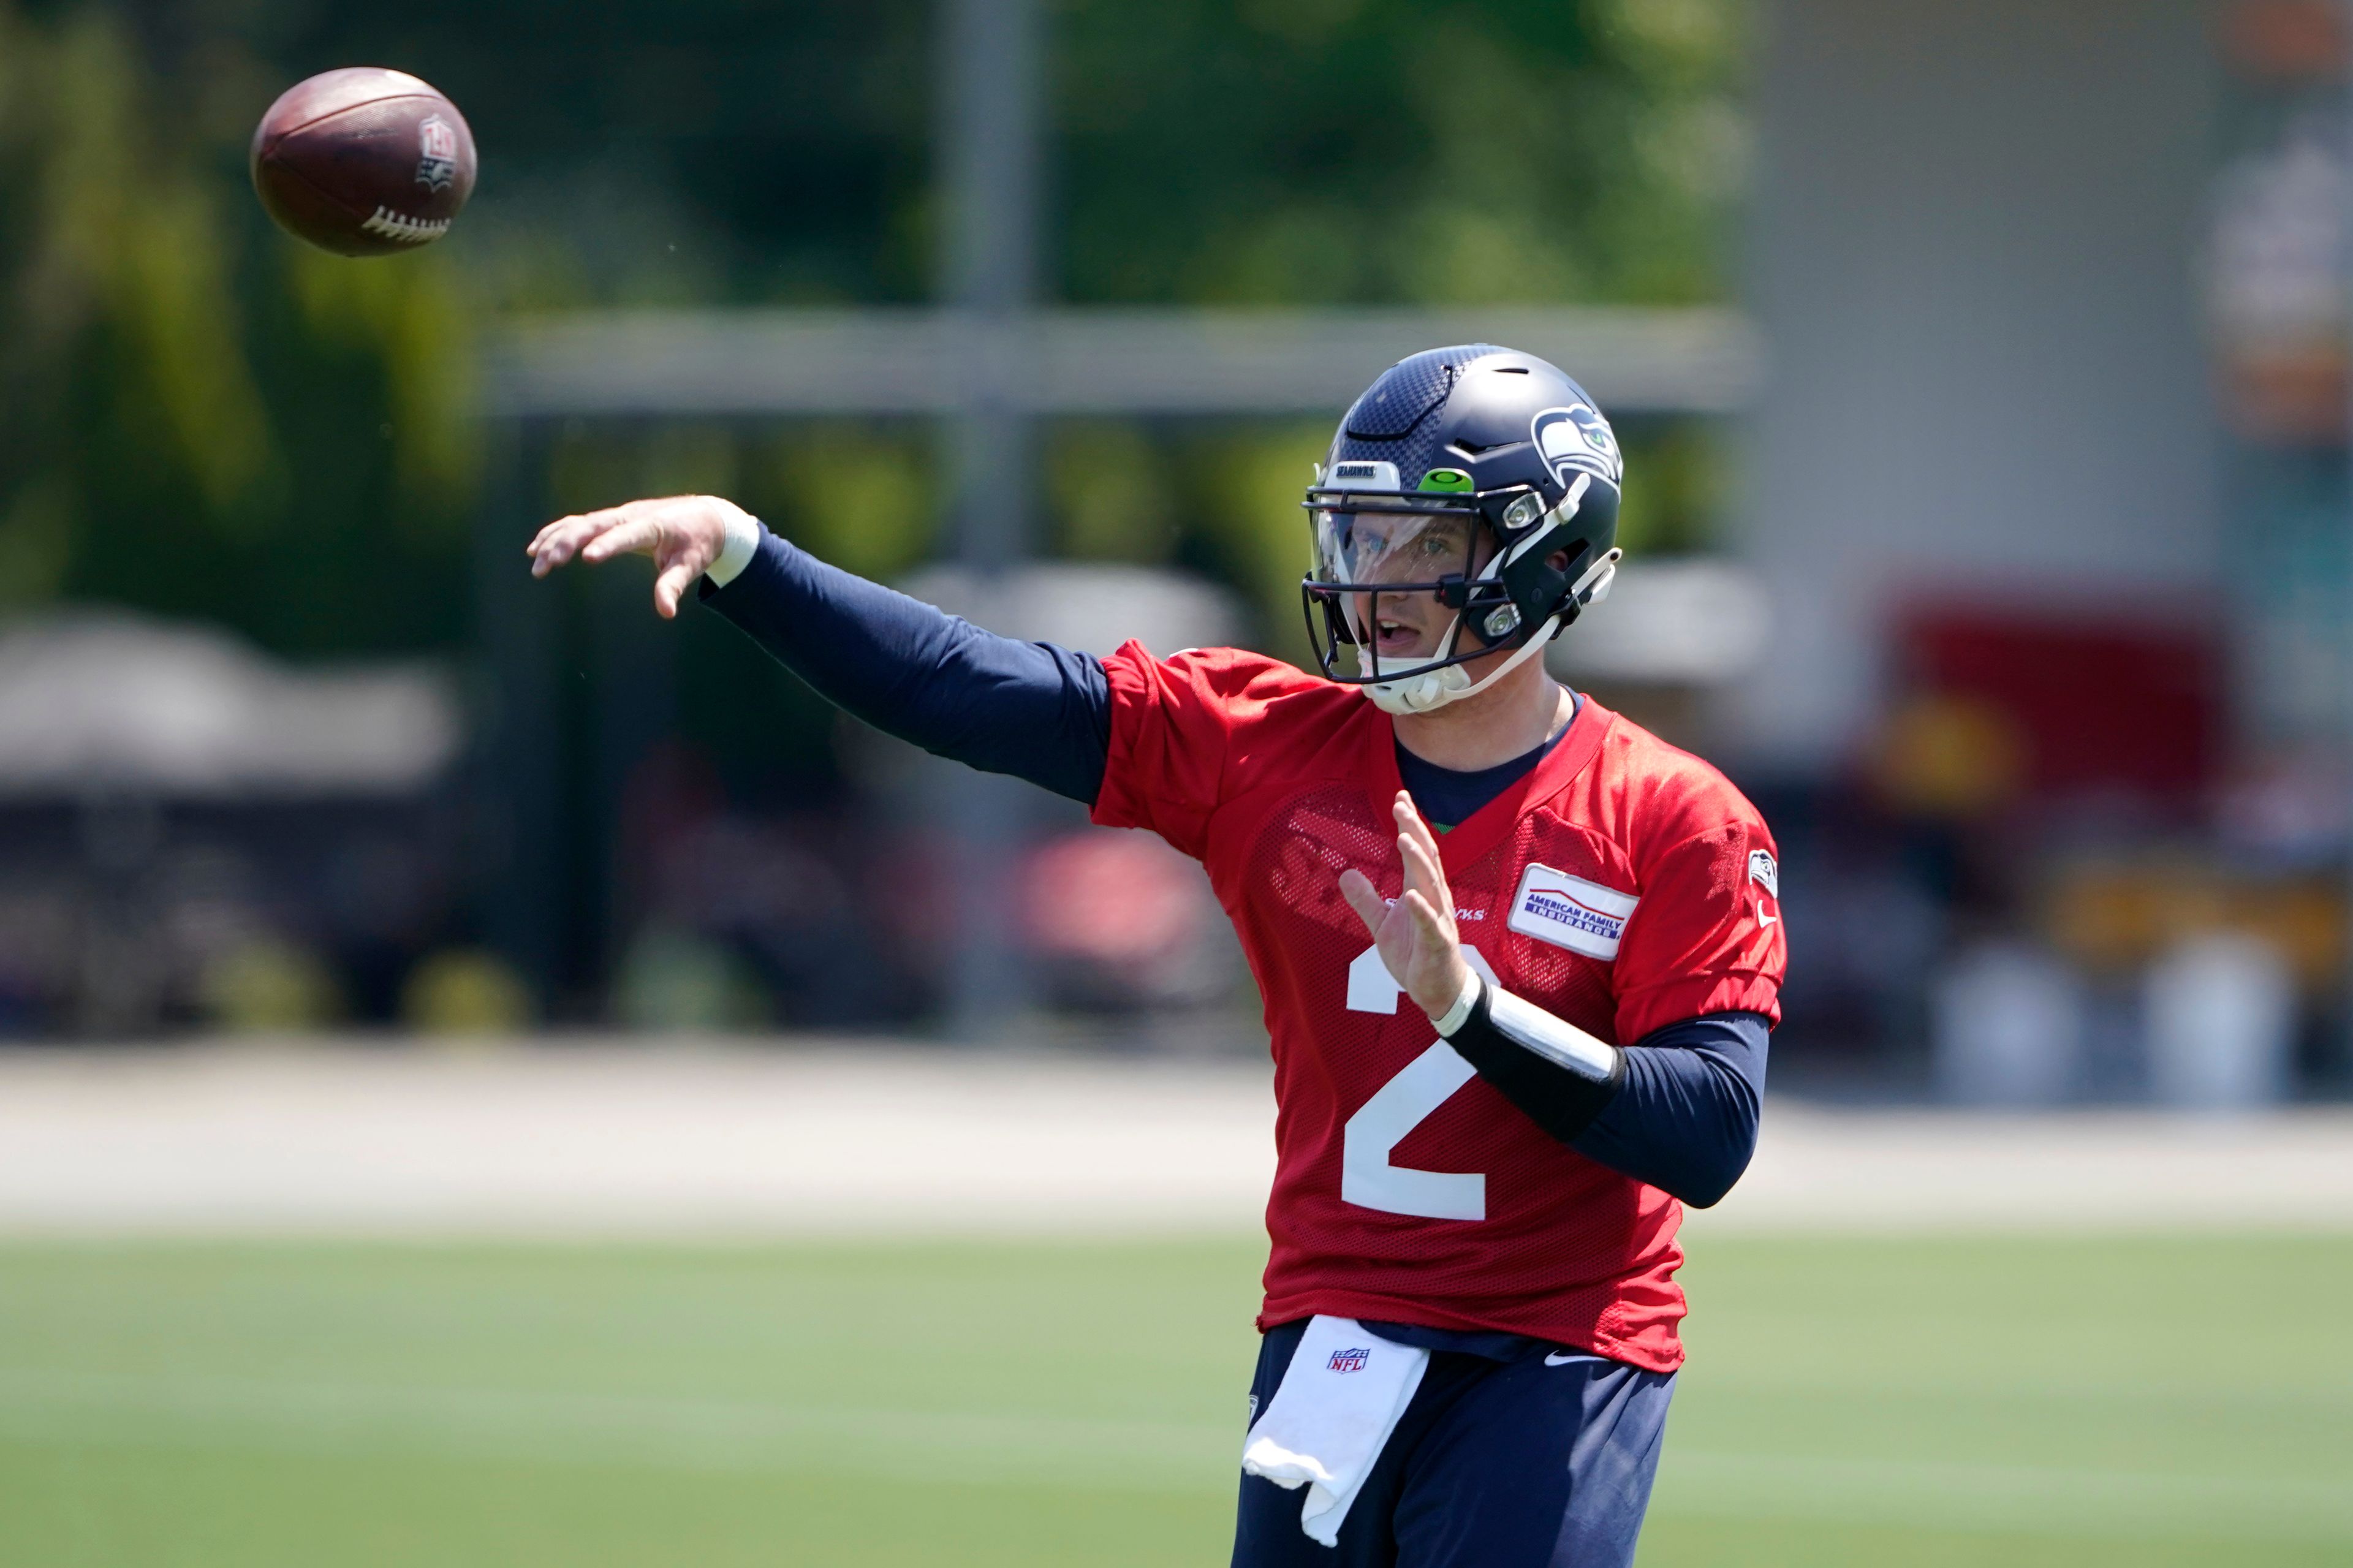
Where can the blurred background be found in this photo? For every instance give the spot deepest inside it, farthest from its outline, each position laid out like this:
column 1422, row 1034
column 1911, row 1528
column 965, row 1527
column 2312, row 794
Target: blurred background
column 1043, row 313
column 1981, row 375
column 1982, row 366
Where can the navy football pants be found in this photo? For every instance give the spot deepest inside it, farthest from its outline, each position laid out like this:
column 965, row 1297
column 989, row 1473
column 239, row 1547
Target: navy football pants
column 1543, row 1461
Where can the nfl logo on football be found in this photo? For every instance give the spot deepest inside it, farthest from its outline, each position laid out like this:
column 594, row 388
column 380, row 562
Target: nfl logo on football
column 436, row 162
column 1350, row 1360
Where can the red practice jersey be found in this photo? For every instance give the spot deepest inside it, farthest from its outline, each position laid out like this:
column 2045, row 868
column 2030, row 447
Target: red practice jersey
column 1622, row 885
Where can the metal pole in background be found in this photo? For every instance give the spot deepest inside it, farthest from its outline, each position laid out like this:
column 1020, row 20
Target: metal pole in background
column 2344, row 603
column 988, row 166
column 988, row 151
column 517, row 858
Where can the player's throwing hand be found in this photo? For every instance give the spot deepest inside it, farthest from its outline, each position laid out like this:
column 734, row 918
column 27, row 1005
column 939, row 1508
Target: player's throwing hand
column 684, row 534
column 1416, row 934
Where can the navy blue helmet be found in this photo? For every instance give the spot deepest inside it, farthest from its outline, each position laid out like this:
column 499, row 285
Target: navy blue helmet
column 1480, row 475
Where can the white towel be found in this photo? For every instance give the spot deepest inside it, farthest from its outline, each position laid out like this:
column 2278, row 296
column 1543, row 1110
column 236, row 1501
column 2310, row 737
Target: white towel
column 1340, row 1399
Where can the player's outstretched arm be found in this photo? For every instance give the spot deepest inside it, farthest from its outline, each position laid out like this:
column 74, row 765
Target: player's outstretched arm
column 1032, row 710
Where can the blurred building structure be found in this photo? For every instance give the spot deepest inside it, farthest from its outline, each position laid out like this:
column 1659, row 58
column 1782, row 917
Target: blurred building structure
column 1976, row 240
column 191, row 833
column 2048, row 488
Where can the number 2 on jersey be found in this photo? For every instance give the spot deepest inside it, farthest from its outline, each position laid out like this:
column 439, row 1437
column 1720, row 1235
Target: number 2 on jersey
column 1398, row 1106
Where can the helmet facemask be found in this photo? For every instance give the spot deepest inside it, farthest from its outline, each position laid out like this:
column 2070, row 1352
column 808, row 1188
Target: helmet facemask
column 1392, row 562
column 1397, row 575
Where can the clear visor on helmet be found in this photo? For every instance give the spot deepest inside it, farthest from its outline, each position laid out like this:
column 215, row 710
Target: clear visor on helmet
column 1409, row 579
column 1397, row 578
column 1399, row 548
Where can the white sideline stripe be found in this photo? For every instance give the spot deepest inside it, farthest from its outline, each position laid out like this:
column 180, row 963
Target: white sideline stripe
column 662, row 1140
column 742, row 1434
column 594, row 1141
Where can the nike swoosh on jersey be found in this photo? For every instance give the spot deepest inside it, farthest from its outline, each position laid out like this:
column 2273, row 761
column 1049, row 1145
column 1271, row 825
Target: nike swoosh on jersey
column 1558, row 1358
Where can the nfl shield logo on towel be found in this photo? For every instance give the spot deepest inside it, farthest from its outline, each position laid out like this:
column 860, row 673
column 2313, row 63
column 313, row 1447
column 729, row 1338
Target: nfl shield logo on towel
column 1350, row 1360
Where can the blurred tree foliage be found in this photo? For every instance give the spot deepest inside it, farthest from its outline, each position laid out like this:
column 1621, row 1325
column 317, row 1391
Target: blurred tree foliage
column 1271, row 151
column 191, row 421
column 201, row 417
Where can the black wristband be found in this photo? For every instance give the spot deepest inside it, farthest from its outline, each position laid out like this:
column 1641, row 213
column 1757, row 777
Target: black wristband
column 1561, row 1090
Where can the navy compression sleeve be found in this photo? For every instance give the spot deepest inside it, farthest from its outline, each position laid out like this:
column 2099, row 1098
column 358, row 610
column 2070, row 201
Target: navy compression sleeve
column 1678, row 1110
column 1685, row 1118
column 1032, row 710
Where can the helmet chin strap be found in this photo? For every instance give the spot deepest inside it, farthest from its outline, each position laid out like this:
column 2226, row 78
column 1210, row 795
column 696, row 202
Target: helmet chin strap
column 1434, row 689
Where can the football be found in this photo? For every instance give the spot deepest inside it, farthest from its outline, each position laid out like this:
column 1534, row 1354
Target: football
column 364, row 161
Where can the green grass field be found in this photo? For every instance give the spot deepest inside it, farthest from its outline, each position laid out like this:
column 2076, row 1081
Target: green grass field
column 2020, row 1402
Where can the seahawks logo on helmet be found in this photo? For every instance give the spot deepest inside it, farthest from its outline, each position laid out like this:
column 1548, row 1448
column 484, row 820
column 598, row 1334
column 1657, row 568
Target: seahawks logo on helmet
column 1577, row 439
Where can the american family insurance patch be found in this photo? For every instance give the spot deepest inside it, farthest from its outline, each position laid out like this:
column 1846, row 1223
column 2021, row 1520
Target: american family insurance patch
column 1571, row 912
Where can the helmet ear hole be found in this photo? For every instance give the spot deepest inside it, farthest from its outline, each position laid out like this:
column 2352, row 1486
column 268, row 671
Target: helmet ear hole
column 1544, row 585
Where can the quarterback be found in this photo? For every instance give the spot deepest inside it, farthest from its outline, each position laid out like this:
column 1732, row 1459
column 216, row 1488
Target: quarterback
column 1519, row 958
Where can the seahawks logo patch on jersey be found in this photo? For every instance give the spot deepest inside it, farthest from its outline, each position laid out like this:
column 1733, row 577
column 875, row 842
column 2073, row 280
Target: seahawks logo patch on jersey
column 1577, row 439
column 1762, row 871
column 1571, row 912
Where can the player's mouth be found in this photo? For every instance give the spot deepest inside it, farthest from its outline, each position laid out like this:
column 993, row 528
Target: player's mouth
column 1399, row 638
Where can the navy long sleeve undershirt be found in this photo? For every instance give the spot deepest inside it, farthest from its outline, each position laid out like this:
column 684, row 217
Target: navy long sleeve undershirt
column 1032, row 710
column 1685, row 1118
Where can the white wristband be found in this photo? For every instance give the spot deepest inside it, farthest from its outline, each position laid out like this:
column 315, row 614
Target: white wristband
column 1556, row 1040
column 1451, row 1019
column 743, row 532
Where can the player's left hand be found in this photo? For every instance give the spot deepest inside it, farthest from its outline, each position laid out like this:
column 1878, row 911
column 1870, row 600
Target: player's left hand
column 1416, row 934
